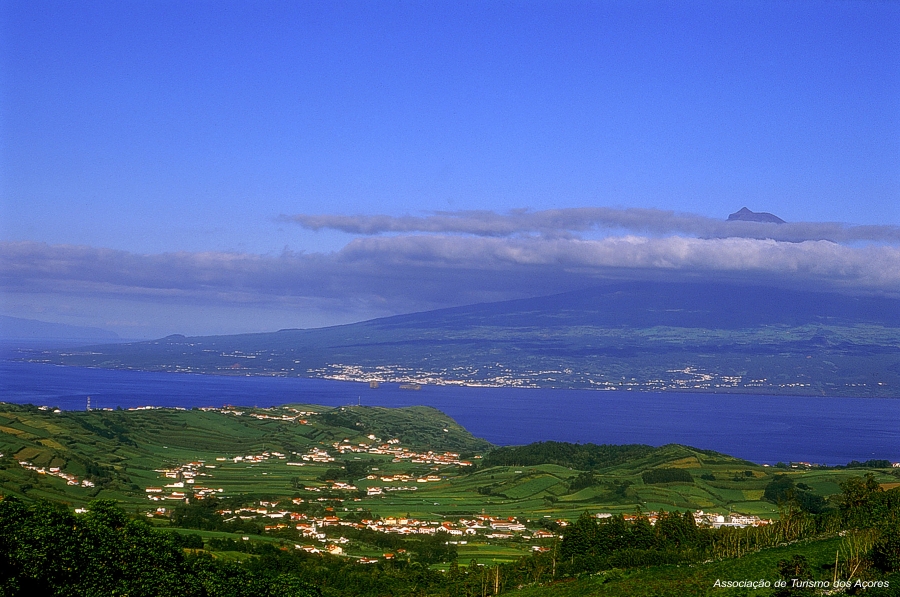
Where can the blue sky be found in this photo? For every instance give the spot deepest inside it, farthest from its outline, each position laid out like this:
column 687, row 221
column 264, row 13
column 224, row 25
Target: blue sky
column 210, row 167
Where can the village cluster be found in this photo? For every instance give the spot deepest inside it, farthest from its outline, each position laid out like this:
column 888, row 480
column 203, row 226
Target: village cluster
column 55, row 471
column 480, row 527
column 704, row 519
column 298, row 416
column 312, row 528
column 184, row 477
column 399, row 454
column 185, row 474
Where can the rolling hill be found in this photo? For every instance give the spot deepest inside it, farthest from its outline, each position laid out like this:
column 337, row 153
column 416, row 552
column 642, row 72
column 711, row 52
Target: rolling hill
column 278, row 490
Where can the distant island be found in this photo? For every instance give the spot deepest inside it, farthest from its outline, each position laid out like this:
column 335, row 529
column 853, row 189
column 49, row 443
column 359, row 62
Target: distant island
column 649, row 336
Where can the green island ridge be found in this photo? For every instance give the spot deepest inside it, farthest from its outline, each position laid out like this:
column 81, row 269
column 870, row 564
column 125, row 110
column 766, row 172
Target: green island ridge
column 642, row 336
column 305, row 500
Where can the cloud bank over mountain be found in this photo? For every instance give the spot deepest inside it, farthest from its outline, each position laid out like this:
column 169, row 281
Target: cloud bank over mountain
column 397, row 264
column 408, row 263
column 566, row 222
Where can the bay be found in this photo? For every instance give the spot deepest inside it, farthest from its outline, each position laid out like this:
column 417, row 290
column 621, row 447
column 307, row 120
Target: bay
column 762, row 429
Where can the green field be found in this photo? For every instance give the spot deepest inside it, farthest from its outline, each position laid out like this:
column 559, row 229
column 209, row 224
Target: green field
column 124, row 450
column 430, row 471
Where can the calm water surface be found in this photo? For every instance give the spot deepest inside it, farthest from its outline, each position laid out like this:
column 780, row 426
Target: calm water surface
column 763, row 429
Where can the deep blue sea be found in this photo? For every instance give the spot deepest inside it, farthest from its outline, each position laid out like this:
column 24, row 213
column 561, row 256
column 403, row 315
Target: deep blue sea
column 763, row 429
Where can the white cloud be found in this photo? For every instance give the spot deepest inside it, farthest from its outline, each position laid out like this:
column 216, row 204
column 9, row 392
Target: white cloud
column 423, row 271
column 565, row 222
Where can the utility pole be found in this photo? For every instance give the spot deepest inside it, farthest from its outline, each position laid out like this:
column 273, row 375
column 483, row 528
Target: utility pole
column 834, row 580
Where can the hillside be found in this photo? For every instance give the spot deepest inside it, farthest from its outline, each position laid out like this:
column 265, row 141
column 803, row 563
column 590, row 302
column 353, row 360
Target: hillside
column 119, row 451
column 375, row 501
column 640, row 336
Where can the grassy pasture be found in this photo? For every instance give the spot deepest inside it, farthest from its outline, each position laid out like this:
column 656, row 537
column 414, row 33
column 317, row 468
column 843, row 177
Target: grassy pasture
column 693, row 581
column 489, row 554
column 130, row 447
column 531, row 485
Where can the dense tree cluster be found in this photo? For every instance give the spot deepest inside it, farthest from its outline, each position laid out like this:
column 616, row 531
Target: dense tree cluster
column 592, row 544
column 873, row 463
column 201, row 515
column 47, row 550
column 583, row 457
column 783, row 489
column 582, row 481
column 865, row 505
column 349, row 471
column 886, row 550
column 666, row 475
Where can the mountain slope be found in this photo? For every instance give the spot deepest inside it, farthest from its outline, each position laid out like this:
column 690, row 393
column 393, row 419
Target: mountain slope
column 32, row 329
column 646, row 336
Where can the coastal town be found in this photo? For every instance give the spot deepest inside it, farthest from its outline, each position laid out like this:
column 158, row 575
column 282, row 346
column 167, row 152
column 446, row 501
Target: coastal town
column 497, row 375
column 696, row 377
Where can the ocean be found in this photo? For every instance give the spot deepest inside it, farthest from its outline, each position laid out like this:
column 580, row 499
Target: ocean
column 762, row 429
